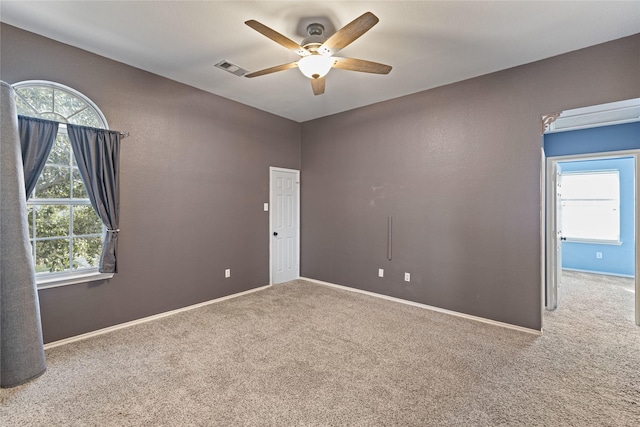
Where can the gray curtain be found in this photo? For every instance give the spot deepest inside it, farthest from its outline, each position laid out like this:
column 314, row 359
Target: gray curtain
column 36, row 138
column 21, row 350
column 97, row 153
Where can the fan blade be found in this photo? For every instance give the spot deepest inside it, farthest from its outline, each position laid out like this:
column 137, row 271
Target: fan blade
column 347, row 34
column 272, row 69
column 318, row 86
column 361, row 65
column 278, row 38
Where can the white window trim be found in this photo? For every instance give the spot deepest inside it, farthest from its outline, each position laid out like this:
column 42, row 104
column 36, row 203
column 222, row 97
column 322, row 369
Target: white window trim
column 55, row 280
column 594, row 241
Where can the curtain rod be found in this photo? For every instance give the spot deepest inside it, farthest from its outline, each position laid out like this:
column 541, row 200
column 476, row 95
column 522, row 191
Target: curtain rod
column 122, row 134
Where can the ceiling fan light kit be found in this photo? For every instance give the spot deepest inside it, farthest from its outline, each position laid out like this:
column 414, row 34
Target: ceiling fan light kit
column 315, row 66
column 316, row 51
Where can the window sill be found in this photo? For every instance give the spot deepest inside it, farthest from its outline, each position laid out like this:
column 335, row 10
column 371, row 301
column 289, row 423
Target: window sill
column 594, row 242
column 71, row 279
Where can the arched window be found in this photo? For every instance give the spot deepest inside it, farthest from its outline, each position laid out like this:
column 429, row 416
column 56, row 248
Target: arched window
column 64, row 230
column 53, row 101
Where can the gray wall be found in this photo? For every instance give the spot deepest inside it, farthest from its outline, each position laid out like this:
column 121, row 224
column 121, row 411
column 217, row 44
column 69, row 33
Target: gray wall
column 458, row 169
column 195, row 173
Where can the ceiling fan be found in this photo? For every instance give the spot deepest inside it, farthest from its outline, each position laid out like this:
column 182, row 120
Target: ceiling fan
column 317, row 51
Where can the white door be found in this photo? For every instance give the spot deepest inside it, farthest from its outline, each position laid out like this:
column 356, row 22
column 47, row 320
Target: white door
column 284, row 224
column 554, row 247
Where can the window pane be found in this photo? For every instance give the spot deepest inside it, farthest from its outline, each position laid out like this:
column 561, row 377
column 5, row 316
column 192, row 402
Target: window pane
column 590, row 186
column 40, row 98
column 591, row 205
column 87, row 118
column 594, row 220
column 85, row 220
column 54, row 183
column 30, row 220
column 52, row 116
column 52, row 220
column 52, row 255
column 79, row 190
column 24, row 109
column 86, row 252
column 60, row 152
column 66, row 104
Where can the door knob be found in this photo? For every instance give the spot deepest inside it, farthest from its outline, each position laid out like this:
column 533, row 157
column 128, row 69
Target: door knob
column 275, row 233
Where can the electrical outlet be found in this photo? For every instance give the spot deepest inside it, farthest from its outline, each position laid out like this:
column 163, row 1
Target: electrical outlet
column 599, row 255
column 266, row 207
column 227, row 273
column 380, row 272
column 407, row 277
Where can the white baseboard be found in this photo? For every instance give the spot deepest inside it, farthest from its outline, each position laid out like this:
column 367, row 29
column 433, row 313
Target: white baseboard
column 147, row 319
column 428, row 307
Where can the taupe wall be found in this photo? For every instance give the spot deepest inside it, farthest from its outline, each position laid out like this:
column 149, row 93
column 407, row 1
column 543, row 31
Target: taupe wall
column 195, row 173
column 458, row 169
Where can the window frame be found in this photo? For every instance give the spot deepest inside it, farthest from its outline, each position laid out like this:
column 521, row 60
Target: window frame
column 615, row 201
column 72, row 276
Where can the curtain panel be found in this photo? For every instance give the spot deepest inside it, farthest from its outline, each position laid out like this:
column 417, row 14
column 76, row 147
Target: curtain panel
column 21, row 349
column 36, row 139
column 97, row 152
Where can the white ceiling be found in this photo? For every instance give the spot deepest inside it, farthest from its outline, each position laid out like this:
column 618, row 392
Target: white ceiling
column 428, row 43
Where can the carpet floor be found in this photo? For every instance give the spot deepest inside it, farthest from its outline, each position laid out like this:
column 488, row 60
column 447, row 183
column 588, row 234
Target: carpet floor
column 302, row 354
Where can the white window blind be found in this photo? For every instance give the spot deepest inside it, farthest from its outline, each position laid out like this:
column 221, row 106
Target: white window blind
column 591, row 205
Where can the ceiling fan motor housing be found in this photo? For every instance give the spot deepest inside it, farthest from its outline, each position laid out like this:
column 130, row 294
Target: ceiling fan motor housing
column 315, row 39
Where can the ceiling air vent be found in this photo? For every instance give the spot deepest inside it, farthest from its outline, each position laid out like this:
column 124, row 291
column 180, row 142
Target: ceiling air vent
column 232, row 68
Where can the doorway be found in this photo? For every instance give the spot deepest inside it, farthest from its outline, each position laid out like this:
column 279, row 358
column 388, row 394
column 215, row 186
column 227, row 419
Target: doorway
column 284, row 225
column 598, row 132
column 603, row 246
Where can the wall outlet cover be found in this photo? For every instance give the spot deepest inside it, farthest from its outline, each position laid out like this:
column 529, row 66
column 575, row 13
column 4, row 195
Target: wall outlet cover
column 227, row 273
column 380, row 272
column 407, row 277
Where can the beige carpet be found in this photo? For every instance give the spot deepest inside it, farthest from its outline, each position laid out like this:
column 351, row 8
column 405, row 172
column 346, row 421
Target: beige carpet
column 301, row 354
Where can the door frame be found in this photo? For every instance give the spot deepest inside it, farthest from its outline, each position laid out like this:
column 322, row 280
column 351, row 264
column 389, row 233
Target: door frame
column 297, row 249
column 548, row 198
column 553, row 242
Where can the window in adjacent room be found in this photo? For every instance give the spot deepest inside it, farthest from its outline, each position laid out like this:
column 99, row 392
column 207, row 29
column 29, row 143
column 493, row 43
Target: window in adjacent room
column 64, row 230
column 591, row 206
